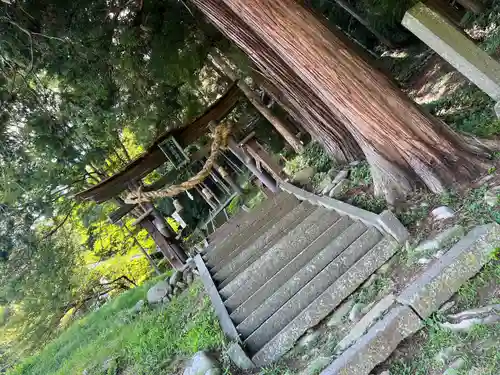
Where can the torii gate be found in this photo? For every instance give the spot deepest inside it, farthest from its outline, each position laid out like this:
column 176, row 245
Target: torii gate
column 130, row 178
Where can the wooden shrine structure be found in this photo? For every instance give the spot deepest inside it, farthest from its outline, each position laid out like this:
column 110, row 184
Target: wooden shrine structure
column 130, row 178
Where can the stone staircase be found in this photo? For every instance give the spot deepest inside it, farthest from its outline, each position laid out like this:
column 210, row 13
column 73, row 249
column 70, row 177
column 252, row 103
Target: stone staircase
column 279, row 270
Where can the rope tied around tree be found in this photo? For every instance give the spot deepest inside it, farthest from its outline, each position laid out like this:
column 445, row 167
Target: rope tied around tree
column 220, row 136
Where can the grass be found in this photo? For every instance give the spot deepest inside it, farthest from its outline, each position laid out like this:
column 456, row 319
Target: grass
column 468, row 294
column 151, row 342
column 472, row 347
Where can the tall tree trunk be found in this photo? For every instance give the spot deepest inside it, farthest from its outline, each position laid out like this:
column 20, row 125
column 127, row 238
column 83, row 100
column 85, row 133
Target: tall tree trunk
column 315, row 117
column 402, row 144
column 278, row 124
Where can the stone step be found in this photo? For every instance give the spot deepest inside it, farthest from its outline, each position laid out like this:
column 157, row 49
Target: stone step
column 270, row 215
column 313, row 289
column 270, row 297
column 226, row 228
column 278, row 256
column 327, row 301
column 280, row 284
column 245, row 257
column 244, row 219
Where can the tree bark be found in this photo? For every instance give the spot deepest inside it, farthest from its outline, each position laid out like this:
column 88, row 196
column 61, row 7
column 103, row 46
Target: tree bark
column 303, row 102
column 402, row 144
column 275, row 121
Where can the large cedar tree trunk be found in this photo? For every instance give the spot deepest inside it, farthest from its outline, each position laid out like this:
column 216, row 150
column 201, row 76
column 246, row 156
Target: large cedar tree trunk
column 402, row 144
column 300, row 100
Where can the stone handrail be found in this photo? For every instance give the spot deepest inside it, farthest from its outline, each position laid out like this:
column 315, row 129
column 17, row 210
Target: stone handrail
column 386, row 222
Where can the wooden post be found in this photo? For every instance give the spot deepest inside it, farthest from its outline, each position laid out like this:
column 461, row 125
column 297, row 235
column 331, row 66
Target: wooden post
column 475, row 6
column 263, row 158
column 253, row 98
column 448, row 41
column 227, row 177
column 446, row 9
column 250, row 164
column 144, row 251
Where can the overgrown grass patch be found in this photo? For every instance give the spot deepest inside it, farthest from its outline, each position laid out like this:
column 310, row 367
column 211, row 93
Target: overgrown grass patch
column 147, row 343
column 474, row 347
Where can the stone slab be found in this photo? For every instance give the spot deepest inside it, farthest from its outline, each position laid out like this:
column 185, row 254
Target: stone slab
column 239, row 357
column 393, row 226
column 377, row 344
column 443, row 278
column 342, row 208
column 452, row 45
column 344, row 286
column 220, row 310
column 366, row 322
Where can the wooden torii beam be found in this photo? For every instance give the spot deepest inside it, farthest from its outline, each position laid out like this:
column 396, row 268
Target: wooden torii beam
column 154, row 157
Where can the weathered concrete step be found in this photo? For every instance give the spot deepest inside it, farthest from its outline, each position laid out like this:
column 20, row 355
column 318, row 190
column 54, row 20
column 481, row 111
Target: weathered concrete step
column 288, row 281
column 326, row 302
column 228, row 227
column 283, row 205
column 377, row 344
column 313, row 289
column 263, row 243
column 443, row 278
column 254, row 232
column 248, row 220
column 245, row 219
column 278, row 256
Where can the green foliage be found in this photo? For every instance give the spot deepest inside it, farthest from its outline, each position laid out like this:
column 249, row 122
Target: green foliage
column 316, row 156
column 473, row 348
column 145, row 344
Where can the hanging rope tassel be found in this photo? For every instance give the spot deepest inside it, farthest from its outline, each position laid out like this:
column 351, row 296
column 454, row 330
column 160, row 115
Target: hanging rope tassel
column 220, row 139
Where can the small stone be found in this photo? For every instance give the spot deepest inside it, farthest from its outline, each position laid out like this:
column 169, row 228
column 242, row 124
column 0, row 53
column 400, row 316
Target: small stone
column 175, row 278
column 339, row 314
column 157, row 292
column 303, row 177
column 424, row 204
column 190, row 262
column 386, row 372
column 354, row 163
column 370, row 281
column 424, row 261
column 491, row 198
column 189, row 278
column 443, row 213
column 438, row 254
column 181, row 285
column 447, row 306
column 166, row 299
column 446, row 354
column 455, row 367
column 318, row 364
column 427, row 245
column 200, row 364
column 338, row 189
column 176, row 291
column 309, row 339
column 342, row 175
column 138, row 307
column 324, row 185
column 367, row 308
column 355, row 313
